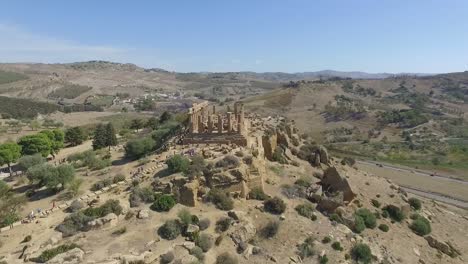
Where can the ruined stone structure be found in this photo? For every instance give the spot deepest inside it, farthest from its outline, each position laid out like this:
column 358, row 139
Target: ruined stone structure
column 210, row 127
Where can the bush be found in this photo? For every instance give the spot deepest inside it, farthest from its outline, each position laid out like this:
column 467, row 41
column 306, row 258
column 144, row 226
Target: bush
column 359, row 224
column 101, row 184
column 375, row 203
column 307, row 210
column 306, row 249
column 205, row 242
column 421, row 226
column 323, row 259
column 167, row 257
column 185, row 217
column 163, row 203
column 120, row 231
column 384, row 227
column 228, row 162
column 110, row 206
column 178, row 163
column 51, row 253
column 248, row 160
column 226, row 258
column 27, row 239
column 335, row 217
column 368, row 217
column 415, row 203
column 257, row 194
column 198, row 253
column 271, row 229
column 303, row 181
column 118, row 178
column 170, row 230
column 223, row 224
column 204, row 223
column 220, row 199
column 337, row 246
column 326, row 240
column 275, row 205
column 361, row 253
column 139, row 195
column 394, row 212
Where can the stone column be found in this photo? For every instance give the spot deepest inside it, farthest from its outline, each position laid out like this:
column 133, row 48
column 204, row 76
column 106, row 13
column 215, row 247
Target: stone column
column 214, row 109
column 229, row 117
column 220, row 123
column 191, row 123
column 235, row 109
column 210, row 124
column 201, row 126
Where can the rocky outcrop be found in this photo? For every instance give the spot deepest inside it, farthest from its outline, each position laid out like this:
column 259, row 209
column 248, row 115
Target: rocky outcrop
column 329, row 203
column 333, row 182
column 110, row 220
column 444, row 247
column 74, row 256
column 188, row 193
column 269, row 142
column 143, row 214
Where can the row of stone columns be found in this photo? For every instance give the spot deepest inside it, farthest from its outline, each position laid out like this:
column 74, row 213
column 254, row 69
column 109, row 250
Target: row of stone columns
column 199, row 116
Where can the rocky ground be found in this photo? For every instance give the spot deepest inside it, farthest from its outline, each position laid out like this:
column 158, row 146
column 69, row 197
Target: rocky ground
column 334, row 189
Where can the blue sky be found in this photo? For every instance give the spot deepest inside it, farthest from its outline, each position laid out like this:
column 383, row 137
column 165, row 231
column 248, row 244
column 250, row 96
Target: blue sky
column 243, row 35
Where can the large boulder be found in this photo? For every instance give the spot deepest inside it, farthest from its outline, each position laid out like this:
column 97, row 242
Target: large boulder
column 188, row 193
column 109, row 220
column 444, row 247
column 74, row 256
column 269, row 142
column 333, row 182
column 243, row 231
column 330, row 203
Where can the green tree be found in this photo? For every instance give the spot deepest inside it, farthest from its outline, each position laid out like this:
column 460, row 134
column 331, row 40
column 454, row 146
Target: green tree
column 10, row 204
column 34, row 125
column 9, row 152
column 57, row 138
column 165, row 116
column 137, row 148
column 99, row 140
column 54, row 178
column 29, row 161
column 152, row 123
column 111, row 138
column 136, row 124
column 33, row 144
column 178, row 163
column 75, row 136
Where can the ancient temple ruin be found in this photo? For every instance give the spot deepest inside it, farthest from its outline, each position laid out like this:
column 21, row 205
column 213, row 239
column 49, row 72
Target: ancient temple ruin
column 206, row 126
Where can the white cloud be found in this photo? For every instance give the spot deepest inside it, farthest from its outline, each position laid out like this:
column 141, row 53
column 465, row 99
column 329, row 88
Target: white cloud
column 19, row 45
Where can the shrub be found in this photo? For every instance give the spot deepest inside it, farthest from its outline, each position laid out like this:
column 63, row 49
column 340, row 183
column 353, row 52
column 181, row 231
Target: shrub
column 394, row 212
column 326, row 240
column 368, row 217
column 275, row 205
column 178, row 163
column 257, row 194
column 226, row 258
column 306, row 209
column 239, row 153
column 375, row 203
column 120, row 231
column 205, row 242
column 323, row 259
column 270, row 229
column 384, row 227
column 163, row 203
column 101, row 184
column 335, row 217
column 223, row 224
column 51, row 253
column 248, row 160
column 415, row 203
column 118, row 178
column 421, row 226
column 337, row 246
column 229, row 162
column 185, row 217
column 359, row 224
column 27, row 239
column 306, row 249
column 170, row 230
column 303, row 181
column 220, row 199
column 204, row 223
column 361, row 253
column 75, row 206
column 139, row 195
column 198, row 253
column 167, row 257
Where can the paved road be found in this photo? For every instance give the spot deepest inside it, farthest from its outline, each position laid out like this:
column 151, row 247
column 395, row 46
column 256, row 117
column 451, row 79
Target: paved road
column 459, row 202
column 415, row 171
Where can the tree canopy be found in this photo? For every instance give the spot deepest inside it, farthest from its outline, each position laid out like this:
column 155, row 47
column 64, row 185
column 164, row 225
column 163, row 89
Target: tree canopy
column 75, row 136
column 9, row 152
